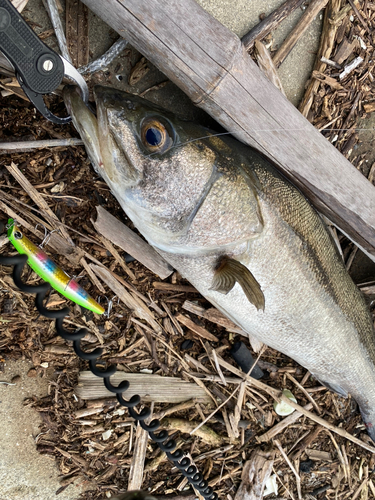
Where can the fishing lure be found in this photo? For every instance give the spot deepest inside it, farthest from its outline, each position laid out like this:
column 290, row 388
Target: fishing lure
column 49, row 271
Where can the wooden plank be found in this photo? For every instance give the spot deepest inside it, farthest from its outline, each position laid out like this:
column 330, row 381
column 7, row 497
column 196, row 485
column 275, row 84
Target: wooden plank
column 149, row 387
column 209, row 63
column 128, row 240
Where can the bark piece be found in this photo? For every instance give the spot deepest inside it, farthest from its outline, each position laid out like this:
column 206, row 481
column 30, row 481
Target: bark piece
column 255, row 474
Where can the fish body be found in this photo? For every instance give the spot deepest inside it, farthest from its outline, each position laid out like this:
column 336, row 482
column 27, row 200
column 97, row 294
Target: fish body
column 248, row 240
column 48, row 270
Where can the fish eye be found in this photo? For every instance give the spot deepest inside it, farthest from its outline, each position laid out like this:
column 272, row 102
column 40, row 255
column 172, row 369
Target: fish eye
column 18, row 235
column 155, row 135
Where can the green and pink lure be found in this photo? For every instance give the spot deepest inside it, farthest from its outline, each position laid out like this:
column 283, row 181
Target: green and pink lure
column 48, row 270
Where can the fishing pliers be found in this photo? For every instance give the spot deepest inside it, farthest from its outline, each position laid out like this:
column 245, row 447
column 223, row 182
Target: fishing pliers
column 38, row 68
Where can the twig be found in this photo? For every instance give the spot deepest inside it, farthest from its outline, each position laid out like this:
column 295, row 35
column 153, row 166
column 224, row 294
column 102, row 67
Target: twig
column 298, row 479
column 57, row 26
column 117, row 256
column 24, row 146
column 302, row 389
column 247, row 375
column 309, row 15
column 38, row 199
column 130, row 300
column 103, row 61
column 213, row 315
column 357, row 13
column 270, row 22
column 285, row 422
column 198, row 330
column 350, row 67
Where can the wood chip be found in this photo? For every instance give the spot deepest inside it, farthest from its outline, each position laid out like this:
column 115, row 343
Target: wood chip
column 255, row 474
column 125, row 238
column 128, row 298
column 199, row 330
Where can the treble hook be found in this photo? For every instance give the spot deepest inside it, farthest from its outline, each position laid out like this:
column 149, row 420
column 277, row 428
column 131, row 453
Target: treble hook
column 47, row 235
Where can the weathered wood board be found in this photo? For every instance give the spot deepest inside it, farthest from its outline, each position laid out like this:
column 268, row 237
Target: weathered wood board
column 149, row 387
column 209, row 63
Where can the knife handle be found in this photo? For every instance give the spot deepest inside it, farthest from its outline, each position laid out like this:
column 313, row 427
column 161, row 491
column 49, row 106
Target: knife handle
column 39, row 67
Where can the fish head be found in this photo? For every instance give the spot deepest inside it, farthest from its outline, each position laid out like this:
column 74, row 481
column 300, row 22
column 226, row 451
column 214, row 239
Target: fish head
column 162, row 170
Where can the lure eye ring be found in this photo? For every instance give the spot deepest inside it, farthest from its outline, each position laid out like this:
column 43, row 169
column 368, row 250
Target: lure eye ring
column 156, row 135
column 18, row 235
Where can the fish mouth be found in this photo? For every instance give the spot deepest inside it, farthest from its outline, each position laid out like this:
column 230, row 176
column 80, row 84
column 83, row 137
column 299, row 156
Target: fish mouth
column 104, row 148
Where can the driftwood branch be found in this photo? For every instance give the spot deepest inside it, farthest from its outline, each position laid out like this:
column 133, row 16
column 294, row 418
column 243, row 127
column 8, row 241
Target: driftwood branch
column 309, row 15
column 270, row 22
column 210, row 64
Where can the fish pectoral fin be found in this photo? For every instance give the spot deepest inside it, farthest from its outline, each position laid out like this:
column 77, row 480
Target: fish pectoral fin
column 334, row 387
column 228, row 272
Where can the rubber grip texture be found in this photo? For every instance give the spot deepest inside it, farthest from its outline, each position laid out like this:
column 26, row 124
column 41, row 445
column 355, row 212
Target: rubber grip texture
column 39, row 67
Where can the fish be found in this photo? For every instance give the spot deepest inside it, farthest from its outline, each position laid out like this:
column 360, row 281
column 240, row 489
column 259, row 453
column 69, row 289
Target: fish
column 239, row 232
column 48, row 270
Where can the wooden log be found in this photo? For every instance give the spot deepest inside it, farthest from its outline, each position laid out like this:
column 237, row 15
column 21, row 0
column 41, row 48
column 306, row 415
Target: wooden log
column 210, row 64
column 270, row 22
column 149, row 387
column 309, row 15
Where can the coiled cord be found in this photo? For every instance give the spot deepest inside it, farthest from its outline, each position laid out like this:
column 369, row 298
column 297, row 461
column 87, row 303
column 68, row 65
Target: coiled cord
column 177, row 457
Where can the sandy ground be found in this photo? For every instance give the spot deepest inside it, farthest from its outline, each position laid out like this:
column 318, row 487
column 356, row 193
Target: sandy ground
column 24, row 473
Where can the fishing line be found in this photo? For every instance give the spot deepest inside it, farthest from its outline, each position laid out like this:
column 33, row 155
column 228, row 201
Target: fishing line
column 167, row 445
column 180, row 145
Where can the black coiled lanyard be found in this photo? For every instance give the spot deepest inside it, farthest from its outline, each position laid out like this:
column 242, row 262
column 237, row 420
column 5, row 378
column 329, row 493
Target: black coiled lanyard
column 177, row 457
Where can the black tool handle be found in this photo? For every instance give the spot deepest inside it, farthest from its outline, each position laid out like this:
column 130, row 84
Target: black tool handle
column 39, row 67
column 242, row 356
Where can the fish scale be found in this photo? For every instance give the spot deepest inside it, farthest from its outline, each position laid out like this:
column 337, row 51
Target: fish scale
column 313, row 312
